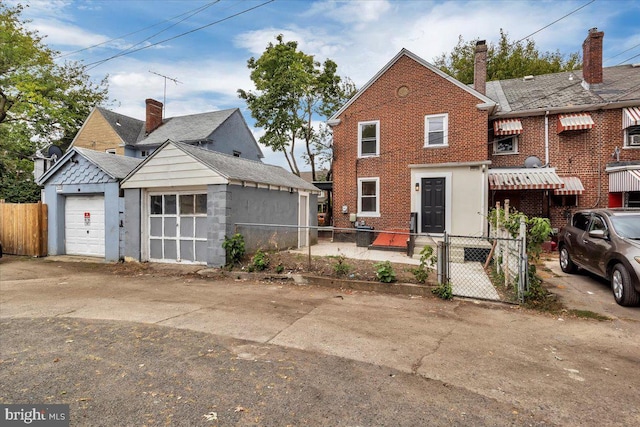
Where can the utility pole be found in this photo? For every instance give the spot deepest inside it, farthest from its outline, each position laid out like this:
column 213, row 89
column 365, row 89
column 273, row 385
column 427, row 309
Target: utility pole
column 164, row 99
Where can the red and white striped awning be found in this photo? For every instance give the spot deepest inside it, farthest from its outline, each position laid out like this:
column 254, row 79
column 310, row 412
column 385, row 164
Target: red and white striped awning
column 624, row 181
column 524, row 179
column 572, row 186
column 574, row 122
column 630, row 117
column 507, row 127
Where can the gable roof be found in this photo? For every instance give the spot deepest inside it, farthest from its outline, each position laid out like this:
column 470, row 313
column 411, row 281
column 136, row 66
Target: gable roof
column 191, row 128
column 565, row 92
column 236, row 169
column 126, row 127
column 115, row 166
column 488, row 103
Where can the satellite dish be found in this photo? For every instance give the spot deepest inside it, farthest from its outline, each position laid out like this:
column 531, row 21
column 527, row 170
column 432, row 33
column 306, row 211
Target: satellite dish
column 532, row 162
column 54, row 152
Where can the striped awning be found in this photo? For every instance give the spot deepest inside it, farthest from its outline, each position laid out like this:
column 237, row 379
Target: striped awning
column 630, row 117
column 507, row 127
column 572, row 186
column 574, row 122
column 524, row 179
column 624, row 181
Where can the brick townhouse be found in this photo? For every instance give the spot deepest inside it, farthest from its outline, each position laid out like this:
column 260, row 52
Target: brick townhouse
column 412, row 139
column 566, row 140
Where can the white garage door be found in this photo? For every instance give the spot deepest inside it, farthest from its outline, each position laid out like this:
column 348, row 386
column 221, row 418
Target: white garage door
column 84, row 225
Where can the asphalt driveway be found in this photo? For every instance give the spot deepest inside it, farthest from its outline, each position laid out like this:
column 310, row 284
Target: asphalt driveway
column 158, row 345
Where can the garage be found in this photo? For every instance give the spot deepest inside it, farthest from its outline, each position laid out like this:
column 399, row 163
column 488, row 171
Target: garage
column 84, row 225
column 178, row 227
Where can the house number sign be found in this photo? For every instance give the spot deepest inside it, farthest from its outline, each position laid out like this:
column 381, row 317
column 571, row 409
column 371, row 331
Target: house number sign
column 87, row 218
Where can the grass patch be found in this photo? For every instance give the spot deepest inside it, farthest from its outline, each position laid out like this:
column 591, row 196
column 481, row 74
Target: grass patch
column 587, row 314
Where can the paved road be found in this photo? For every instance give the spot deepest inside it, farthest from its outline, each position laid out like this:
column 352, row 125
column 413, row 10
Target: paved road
column 505, row 365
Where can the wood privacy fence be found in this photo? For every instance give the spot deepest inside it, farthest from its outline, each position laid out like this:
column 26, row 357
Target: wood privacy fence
column 23, row 228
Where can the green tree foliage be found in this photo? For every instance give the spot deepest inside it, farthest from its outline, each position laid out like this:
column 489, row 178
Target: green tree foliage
column 292, row 89
column 505, row 60
column 41, row 102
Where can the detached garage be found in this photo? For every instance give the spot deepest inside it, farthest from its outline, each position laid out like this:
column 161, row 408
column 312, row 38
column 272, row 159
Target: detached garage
column 86, row 211
column 182, row 202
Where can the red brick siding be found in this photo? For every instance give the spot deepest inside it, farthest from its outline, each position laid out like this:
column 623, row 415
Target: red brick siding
column 402, row 138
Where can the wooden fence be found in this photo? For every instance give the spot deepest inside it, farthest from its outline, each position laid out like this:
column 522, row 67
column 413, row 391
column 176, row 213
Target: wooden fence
column 23, row 228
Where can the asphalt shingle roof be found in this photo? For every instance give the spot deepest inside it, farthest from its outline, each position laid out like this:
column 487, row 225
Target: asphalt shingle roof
column 115, row 165
column 620, row 83
column 195, row 127
column 239, row 169
column 126, row 127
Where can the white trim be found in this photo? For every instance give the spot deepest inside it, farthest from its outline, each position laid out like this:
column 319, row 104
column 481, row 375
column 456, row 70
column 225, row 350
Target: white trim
column 375, row 214
column 445, row 130
column 505, row 153
column 303, row 233
column 487, row 104
column 416, row 197
column 360, row 126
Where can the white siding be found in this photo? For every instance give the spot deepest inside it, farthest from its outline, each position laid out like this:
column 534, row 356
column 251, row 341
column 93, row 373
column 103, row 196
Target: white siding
column 172, row 166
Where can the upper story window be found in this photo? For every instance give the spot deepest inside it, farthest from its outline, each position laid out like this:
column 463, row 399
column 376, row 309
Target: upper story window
column 436, row 130
column 368, row 197
column 236, row 153
column 144, row 153
column 110, row 151
column 506, row 145
column 632, row 137
column 369, row 138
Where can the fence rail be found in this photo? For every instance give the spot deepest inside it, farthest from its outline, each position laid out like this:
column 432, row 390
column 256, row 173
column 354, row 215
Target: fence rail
column 23, row 228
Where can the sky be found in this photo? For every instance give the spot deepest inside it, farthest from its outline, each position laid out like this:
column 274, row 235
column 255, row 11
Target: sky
column 202, row 46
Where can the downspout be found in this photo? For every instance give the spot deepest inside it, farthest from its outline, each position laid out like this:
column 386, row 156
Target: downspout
column 546, row 137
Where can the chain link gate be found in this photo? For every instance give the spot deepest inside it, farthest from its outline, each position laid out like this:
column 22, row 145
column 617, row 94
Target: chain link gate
column 484, row 268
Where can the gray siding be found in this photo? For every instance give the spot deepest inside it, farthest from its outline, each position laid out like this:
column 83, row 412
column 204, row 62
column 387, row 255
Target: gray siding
column 232, row 135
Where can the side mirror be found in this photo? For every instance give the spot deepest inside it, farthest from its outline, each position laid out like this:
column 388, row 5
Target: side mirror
column 598, row 234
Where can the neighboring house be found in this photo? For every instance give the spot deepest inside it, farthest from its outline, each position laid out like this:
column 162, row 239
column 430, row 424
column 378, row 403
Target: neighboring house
column 579, row 130
column 412, row 139
column 183, row 200
column 224, row 131
column 85, row 210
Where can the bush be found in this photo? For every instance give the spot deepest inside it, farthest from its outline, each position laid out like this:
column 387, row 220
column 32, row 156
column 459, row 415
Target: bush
column 341, row 268
column 443, row 290
column 260, row 261
column 384, row 272
column 426, row 258
column 234, row 248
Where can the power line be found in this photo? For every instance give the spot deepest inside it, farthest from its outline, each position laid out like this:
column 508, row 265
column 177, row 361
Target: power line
column 197, row 10
column 624, row 51
column 556, row 21
column 96, row 63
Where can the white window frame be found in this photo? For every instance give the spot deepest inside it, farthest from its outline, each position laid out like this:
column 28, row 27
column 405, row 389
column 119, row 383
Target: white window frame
column 503, row 153
column 445, row 130
column 360, row 126
column 627, row 139
column 110, row 151
column 369, row 214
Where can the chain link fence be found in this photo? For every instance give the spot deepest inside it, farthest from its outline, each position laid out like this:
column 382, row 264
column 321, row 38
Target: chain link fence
column 484, row 268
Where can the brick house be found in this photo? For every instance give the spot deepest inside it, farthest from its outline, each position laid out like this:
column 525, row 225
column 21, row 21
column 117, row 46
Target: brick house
column 566, row 140
column 412, row 139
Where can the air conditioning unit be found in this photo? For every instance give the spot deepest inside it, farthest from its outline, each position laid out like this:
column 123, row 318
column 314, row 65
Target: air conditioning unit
column 634, row 140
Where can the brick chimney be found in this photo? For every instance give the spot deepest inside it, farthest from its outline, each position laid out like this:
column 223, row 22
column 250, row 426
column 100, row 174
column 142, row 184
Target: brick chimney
column 154, row 115
column 480, row 67
column 592, row 57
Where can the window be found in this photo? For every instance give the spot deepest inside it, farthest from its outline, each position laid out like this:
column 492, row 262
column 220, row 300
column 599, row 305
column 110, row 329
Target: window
column 144, row 153
column 632, row 137
column 597, row 223
column 110, row 151
column 369, row 138
column 436, row 130
column 236, row 153
column 581, row 220
column 368, row 196
column 506, row 145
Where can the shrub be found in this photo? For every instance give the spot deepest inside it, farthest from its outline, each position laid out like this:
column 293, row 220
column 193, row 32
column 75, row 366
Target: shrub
column 260, row 261
column 443, row 290
column 384, row 272
column 234, row 248
column 341, row 268
column 426, row 258
column 279, row 268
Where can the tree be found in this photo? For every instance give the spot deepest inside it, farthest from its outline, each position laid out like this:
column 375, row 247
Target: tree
column 41, row 102
column 506, row 60
column 291, row 90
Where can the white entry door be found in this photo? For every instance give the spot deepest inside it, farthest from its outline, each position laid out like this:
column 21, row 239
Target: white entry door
column 84, row 225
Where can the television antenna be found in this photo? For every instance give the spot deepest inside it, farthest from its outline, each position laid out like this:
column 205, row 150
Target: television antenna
column 164, row 99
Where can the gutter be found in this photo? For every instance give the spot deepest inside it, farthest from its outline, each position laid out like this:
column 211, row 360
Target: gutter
column 567, row 109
